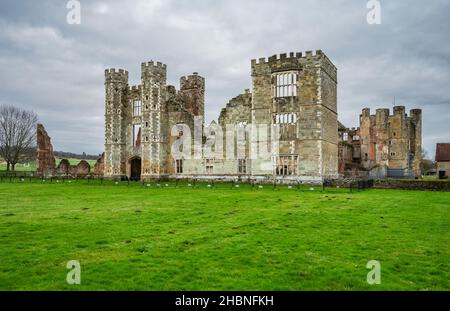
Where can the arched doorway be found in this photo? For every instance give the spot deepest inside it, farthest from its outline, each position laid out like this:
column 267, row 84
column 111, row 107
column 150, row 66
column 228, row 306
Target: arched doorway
column 135, row 169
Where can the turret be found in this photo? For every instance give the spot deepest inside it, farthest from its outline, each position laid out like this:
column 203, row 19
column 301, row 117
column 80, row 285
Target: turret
column 157, row 72
column 400, row 110
column 382, row 116
column 116, row 76
column 192, row 89
column 116, row 82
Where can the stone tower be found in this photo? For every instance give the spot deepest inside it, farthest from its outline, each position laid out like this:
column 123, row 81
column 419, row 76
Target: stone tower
column 392, row 141
column 192, row 90
column 116, row 84
column 153, row 119
column 298, row 92
column 139, row 119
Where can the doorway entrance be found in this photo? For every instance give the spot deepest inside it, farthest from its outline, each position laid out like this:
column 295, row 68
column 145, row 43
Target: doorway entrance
column 135, row 169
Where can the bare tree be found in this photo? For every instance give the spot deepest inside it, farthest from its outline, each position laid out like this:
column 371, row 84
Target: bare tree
column 17, row 134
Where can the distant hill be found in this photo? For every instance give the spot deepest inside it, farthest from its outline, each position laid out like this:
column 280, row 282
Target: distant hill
column 70, row 155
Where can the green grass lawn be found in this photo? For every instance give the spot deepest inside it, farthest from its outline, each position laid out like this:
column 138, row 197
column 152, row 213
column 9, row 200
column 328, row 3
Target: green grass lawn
column 21, row 167
column 139, row 238
column 31, row 166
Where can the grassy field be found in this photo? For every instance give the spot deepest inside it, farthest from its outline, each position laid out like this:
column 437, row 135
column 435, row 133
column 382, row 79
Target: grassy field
column 148, row 238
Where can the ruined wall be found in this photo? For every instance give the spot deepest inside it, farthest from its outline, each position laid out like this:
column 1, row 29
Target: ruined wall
column 99, row 167
column 82, row 169
column 192, row 91
column 349, row 151
column 392, row 141
column 237, row 110
column 308, row 132
column 45, row 162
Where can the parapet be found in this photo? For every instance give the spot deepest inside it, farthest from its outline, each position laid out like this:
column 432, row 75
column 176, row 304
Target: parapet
column 171, row 89
column 192, row 81
column 135, row 88
column 298, row 55
column 152, row 64
column 365, row 112
column 399, row 110
column 385, row 112
column 119, row 75
column 156, row 70
column 416, row 114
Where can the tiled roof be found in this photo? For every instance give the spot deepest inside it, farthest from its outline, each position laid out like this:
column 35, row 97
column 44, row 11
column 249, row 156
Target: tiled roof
column 443, row 152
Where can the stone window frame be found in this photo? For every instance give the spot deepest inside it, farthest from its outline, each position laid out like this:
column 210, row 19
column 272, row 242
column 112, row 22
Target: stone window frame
column 209, row 166
column 136, row 129
column 285, row 164
column 179, row 166
column 285, row 84
column 242, row 166
column 137, row 108
column 285, row 118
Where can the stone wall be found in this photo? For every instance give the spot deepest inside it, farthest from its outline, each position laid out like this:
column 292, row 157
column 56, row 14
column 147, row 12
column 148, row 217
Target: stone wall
column 394, row 141
column 45, row 161
column 309, row 139
column 312, row 138
column 433, row 185
column 388, row 141
column 82, row 169
column 99, row 167
column 443, row 166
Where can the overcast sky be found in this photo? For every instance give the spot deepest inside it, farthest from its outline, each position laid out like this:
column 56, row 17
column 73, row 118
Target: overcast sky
column 57, row 69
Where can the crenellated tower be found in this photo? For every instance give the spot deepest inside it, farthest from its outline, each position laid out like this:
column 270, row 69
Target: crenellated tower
column 192, row 90
column 392, row 141
column 298, row 92
column 154, row 118
column 116, row 84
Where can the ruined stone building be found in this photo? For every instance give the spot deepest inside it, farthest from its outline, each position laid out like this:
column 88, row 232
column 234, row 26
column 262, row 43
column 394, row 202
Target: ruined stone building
column 295, row 91
column 384, row 145
column 46, row 162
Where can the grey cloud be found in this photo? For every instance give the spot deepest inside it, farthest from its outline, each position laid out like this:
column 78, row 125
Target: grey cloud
column 56, row 69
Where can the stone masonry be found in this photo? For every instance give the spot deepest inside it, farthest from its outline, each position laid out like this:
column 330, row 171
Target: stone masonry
column 294, row 91
column 45, row 163
column 386, row 145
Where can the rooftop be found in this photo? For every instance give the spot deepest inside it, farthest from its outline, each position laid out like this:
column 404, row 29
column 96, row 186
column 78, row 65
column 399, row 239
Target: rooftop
column 443, row 152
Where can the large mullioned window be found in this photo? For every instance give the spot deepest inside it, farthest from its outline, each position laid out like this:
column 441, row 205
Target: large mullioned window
column 285, row 118
column 137, row 108
column 286, row 84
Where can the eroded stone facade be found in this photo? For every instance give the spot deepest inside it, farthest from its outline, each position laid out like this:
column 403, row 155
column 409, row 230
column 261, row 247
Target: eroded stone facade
column 297, row 92
column 45, row 160
column 385, row 144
